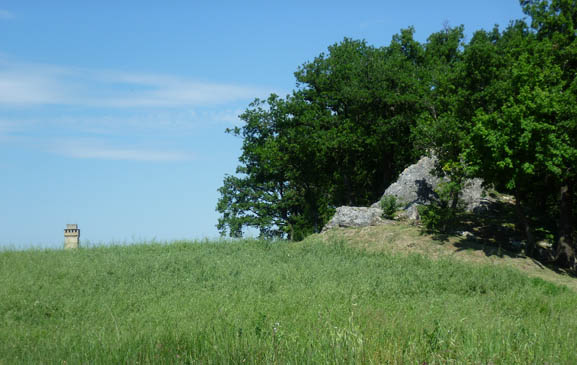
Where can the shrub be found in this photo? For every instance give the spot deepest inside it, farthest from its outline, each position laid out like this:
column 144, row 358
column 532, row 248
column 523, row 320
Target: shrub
column 437, row 218
column 389, row 205
column 441, row 215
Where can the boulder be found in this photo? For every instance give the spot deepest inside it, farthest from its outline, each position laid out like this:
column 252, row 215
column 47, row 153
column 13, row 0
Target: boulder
column 411, row 213
column 416, row 186
column 355, row 217
column 474, row 196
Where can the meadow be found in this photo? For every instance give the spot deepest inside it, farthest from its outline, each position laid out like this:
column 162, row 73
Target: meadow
column 275, row 302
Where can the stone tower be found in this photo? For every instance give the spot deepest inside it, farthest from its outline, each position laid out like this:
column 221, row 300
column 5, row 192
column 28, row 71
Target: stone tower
column 71, row 236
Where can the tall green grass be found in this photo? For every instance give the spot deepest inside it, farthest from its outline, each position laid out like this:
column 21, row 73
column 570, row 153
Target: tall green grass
column 266, row 302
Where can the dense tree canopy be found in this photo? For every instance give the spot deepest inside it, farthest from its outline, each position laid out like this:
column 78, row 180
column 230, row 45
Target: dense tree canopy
column 339, row 139
column 502, row 107
column 511, row 116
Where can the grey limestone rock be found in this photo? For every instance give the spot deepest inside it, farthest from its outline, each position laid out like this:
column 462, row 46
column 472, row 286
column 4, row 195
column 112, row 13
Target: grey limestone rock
column 411, row 213
column 355, row 217
column 473, row 196
column 416, row 186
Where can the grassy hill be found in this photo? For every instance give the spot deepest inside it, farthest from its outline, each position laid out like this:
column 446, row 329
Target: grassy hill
column 354, row 296
column 402, row 238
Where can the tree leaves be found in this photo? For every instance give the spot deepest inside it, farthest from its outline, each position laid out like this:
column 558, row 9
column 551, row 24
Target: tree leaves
column 339, row 139
column 502, row 107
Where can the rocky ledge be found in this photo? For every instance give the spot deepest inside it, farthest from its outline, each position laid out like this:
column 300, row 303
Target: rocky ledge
column 356, row 217
column 415, row 186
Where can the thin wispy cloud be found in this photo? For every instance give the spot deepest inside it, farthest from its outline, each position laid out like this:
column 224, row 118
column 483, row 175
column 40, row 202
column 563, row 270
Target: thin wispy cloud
column 97, row 147
column 9, row 129
column 22, row 89
column 147, row 122
column 95, row 150
column 25, row 85
column 5, row 14
column 97, row 114
column 372, row 23
column 228, row 116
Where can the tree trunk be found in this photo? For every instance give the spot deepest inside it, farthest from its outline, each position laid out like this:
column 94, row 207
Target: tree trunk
column 530, row 247
column 387, row 175
column 348, row 190
column 565, row 250
column 456, row 192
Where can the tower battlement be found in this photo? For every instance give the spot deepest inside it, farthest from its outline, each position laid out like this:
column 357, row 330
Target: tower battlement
column 71, row 236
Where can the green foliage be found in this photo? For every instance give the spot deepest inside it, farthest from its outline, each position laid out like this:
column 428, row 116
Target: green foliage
column 274, row 302
column 435, row 218
column 261, row 196
column 339, row 139
column 505, row 108
column 442, row 128
column 502, row 107
column 389, row 205
column 442, row 214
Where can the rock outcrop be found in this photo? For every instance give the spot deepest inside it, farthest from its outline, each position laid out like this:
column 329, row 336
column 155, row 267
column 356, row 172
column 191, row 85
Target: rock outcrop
column 355, row 217
column 416, row 186
column 474, row 196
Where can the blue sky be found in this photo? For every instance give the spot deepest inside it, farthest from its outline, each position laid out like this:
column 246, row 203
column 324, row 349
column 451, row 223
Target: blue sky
column 112, row 113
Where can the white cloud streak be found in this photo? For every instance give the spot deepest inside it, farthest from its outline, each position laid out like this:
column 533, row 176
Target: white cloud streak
column 91, row 150
column 21, row 89
column 5, row 14
column 149, row 122
column 26, row 85
column 111, row 115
